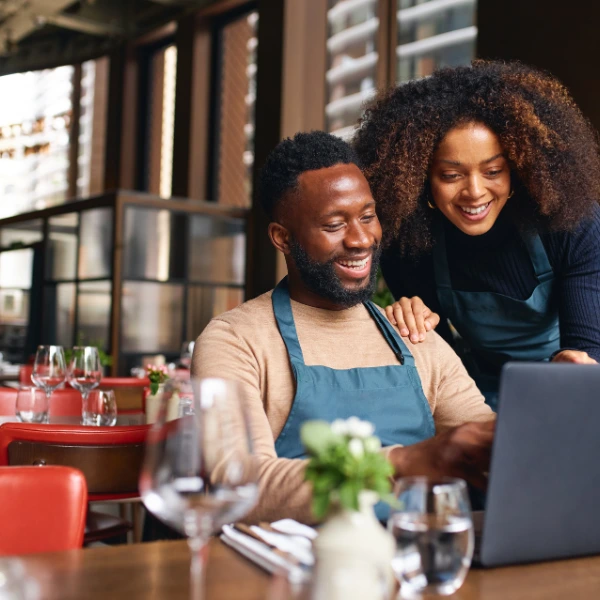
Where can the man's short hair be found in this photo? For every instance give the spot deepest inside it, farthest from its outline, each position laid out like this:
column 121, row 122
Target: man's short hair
column 294, row 156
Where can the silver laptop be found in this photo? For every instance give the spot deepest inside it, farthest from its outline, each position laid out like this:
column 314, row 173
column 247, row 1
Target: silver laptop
column 543, row 499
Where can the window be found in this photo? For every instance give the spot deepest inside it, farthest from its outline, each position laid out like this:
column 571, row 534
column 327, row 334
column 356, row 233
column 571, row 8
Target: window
column 434, row 34
column 92, row 127
column 158, row 163
column 232, row 180
column 34, row 139
column 352, row 62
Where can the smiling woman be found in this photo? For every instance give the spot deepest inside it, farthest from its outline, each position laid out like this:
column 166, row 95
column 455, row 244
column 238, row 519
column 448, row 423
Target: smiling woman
column 487, row 181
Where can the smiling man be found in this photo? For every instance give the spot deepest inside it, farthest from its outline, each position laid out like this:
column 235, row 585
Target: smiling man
column 316, row 348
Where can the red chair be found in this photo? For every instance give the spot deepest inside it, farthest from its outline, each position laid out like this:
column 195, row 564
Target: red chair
column 109, row 457
column 42, row 510
column 65, row 402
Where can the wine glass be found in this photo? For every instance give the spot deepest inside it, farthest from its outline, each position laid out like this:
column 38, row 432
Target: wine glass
column 49, row 369
column 100, row 408
column 433, row 528
column 85, row 371
column 199, row 471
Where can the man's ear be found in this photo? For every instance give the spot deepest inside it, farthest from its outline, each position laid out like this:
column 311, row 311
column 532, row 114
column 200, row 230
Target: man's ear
column 280, row 237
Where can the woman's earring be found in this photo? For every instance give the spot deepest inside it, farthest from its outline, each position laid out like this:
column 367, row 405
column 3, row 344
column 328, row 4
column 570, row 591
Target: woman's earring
column 431, row 206
column 512, row 193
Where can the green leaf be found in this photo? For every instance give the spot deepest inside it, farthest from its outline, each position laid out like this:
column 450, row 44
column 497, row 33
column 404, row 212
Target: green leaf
column 349, row 495
column 320, row 505
column 153, row 387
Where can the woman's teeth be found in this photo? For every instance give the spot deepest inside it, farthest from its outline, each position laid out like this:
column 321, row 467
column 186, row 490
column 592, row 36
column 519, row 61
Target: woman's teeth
column 474, row 211
column 354, row 264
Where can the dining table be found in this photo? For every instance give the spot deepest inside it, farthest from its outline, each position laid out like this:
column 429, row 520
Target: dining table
column 160, row 570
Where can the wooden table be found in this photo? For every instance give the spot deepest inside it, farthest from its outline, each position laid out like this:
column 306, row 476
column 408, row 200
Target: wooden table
column 160, row 570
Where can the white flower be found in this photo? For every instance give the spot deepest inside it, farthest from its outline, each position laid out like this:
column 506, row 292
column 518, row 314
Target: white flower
column 358, row 428
column 355, row 447
column 339, row 427
column 372, row 444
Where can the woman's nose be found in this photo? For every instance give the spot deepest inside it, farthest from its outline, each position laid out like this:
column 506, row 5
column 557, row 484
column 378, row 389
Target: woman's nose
column 475, row 187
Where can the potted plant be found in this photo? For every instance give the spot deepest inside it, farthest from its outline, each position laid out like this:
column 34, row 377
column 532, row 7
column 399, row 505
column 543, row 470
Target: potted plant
column 349, row 474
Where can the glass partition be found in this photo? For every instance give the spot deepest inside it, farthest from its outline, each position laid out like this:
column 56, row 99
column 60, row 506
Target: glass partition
column 147, row 243
column 179, row 265
column 93, row 313
column 21, row 234
column 152, row 317
column 95, row 243
column 217, row 250
column 61, row 250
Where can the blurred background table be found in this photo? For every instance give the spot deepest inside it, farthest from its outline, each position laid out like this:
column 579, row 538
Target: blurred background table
column 133, row 418
column 160, row 570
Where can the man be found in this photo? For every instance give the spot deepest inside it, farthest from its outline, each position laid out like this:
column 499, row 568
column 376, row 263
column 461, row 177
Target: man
column 315, row 348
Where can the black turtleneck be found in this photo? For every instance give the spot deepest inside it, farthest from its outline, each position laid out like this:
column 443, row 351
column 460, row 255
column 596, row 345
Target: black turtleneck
column 498, row 262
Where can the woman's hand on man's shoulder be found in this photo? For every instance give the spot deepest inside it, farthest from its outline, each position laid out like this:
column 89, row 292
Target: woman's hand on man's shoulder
column 412, row 317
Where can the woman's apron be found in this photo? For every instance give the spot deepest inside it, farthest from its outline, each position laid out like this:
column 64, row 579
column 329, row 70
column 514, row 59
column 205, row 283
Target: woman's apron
column 495, row 327
column 390, row 397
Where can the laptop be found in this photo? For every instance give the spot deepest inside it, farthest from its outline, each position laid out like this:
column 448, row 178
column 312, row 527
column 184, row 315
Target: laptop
column 543, row 499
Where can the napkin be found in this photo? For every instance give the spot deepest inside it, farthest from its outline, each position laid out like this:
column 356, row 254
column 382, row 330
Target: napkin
column 291, row 537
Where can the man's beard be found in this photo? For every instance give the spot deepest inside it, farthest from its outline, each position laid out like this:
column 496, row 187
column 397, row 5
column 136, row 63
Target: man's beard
column 321, row 278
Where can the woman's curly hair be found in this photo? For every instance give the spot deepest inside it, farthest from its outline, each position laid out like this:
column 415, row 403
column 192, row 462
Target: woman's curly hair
column 550, row 146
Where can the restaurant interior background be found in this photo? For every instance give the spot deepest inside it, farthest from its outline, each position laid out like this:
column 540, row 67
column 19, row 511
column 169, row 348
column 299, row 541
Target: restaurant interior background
column 131, row 134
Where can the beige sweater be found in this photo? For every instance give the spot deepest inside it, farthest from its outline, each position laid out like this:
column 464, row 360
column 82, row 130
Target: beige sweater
column 244, row 344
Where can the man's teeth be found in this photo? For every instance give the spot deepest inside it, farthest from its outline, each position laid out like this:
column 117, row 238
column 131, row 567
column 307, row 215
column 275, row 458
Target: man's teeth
column 356, row 264
column 474, row 211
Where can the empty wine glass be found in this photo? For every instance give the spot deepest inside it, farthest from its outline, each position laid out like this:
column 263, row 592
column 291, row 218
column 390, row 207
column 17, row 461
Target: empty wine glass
column 100, row 408
column 199, row 471
column 433, row 528
column 49, row 368
column 85, row 371
column 31, row 405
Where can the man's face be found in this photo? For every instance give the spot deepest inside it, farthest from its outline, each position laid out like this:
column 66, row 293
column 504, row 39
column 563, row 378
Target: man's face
column 335, row 234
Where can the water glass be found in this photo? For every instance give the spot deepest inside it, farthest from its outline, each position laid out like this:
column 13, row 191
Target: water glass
column 100, row 408
column 433, row 529
column 49, row 368
column 31, row 405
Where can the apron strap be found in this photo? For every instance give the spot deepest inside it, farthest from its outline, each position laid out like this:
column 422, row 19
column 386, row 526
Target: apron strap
column 282, row 307
column 391, row 337
column 538, row 256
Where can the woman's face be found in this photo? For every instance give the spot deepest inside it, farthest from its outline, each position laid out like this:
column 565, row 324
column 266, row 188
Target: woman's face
column 470, row 178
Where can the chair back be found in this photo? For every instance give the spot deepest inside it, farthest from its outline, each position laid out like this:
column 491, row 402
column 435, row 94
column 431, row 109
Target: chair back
column 25, row 374
column 109, row 457
column 65, row 402
column 43, row 510
column 128, row 391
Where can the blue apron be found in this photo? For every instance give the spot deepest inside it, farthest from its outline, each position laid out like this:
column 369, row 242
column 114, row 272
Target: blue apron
column 390, row 397
column 496, row 327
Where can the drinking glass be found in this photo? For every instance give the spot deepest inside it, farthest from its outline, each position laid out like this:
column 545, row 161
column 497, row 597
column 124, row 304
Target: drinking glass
column 199, row 471
column 85, row 370
column 433, row 529
column 49, row 369
column 99, row 408
column 31, row 405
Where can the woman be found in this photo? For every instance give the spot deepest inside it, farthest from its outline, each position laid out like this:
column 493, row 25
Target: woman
column 487, row 180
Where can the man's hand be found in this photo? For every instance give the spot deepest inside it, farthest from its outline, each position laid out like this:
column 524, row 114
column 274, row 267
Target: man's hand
column 463, row 452
column 574, row 356
column 412, row 318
